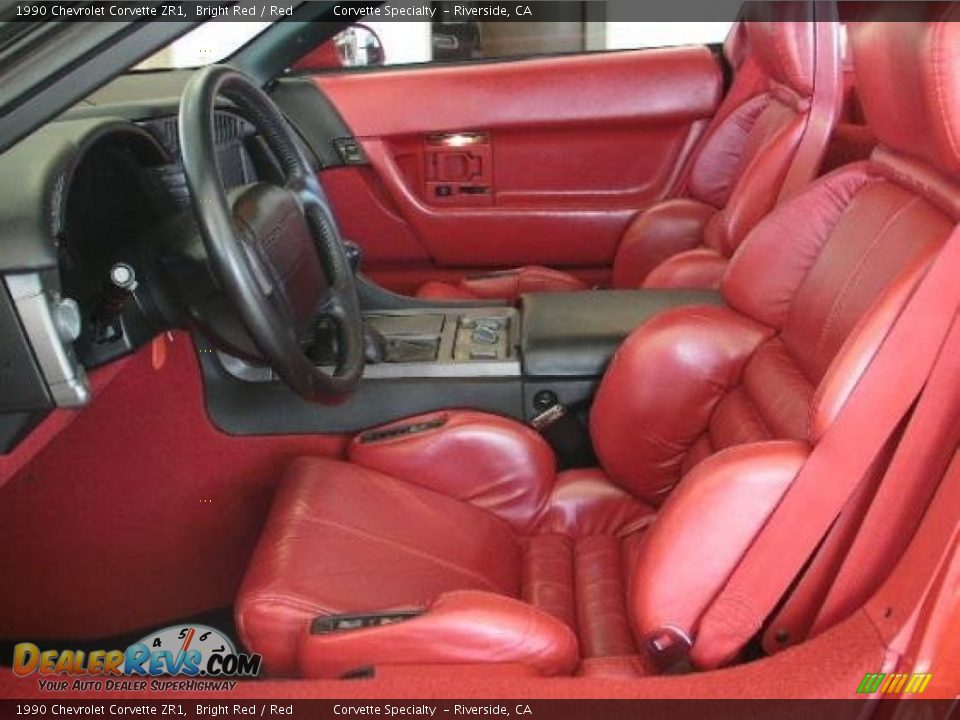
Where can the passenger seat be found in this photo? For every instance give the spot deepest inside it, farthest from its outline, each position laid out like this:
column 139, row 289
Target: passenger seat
column 759, row 148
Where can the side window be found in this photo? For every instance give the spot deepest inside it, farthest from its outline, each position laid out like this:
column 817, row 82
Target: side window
column 374, row 41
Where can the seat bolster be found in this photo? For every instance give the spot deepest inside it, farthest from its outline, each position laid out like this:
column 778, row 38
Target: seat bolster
column 700, row 268
column 585, row 502
column 657, row 234
column 660, row 390
column 459, row 627
column 504, row 285
column 717, row 166
column 494, row 463
column 704, row 529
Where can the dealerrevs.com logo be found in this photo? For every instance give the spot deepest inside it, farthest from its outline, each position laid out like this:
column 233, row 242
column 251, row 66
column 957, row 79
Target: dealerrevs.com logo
column 203, row 655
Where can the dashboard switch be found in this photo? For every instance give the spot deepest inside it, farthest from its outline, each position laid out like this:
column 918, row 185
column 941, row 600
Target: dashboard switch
column 485, row 335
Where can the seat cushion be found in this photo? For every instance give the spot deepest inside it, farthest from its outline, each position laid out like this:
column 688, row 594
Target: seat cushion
column 505, row 285
column 343, row 539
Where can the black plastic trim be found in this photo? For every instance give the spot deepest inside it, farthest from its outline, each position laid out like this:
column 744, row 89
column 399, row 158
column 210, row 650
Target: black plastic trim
column 34, row 185
column 313, row 116
column 269, row 408
column 22, row 387
column 574, row 335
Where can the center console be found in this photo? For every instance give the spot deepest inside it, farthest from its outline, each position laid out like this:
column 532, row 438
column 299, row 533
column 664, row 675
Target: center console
column 427, row 357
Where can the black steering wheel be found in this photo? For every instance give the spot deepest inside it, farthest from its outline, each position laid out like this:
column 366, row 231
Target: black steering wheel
column 275, row 249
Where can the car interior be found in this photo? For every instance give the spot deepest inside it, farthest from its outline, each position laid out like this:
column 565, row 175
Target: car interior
column 616, row 374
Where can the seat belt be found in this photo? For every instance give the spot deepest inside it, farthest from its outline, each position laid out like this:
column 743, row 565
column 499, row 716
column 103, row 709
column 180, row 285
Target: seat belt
column 878, row 403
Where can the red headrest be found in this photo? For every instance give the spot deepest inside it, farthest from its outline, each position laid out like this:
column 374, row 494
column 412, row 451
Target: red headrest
column 908, row 81
column 784, row 49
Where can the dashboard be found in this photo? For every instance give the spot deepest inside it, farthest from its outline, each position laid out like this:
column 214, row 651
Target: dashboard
column 127, row 190
column 101, row 188
column 88, row 206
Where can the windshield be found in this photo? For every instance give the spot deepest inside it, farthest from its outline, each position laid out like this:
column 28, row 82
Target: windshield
column 207, row 44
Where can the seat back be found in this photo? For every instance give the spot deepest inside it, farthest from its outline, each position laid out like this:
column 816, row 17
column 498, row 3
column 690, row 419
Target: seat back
column 765, row 147
column 766, row 143
column 732, row 399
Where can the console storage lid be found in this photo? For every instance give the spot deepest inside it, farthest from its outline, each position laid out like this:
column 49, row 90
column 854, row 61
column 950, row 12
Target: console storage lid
column 574, row 334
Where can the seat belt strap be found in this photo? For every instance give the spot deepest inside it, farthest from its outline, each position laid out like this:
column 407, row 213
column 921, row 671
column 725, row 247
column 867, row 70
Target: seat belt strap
column 880, row 400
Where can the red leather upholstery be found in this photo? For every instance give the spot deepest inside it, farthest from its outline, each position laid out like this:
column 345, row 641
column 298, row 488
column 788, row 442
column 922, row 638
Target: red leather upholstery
column 700, row 268
column 368, row 526
column 493, row 463
column 468, row 518
column 660, row 232
column 930, row 131
column 458, row 627
column 697, row 356
column 554, row 542
column 506, row 285
column 746, row 483
column 748, row 159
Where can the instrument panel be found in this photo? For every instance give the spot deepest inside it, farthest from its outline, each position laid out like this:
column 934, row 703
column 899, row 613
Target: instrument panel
column 87, row 204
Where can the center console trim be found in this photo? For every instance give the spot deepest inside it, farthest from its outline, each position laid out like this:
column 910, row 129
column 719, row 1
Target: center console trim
column 447, row 364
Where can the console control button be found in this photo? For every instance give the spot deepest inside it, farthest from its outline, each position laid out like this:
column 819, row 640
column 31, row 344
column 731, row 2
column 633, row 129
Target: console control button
column 485, row 335
column 480, row 352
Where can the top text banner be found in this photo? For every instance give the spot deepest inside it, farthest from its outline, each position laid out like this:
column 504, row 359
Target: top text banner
column 420, row 10
column 395, row 10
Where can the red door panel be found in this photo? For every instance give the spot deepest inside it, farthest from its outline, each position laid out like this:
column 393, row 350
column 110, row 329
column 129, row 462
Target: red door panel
column 498, row 164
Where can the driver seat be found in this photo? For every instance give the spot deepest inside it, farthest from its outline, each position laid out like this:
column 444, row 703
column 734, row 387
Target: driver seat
column 454, row 529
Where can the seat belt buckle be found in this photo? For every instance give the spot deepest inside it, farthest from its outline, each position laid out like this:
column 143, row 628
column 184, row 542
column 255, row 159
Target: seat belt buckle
column 668, row 648
column 549, row 417
column 562, row 431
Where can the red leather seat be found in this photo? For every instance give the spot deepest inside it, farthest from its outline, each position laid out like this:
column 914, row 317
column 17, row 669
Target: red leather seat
column 759, row 148
column 701, row 424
